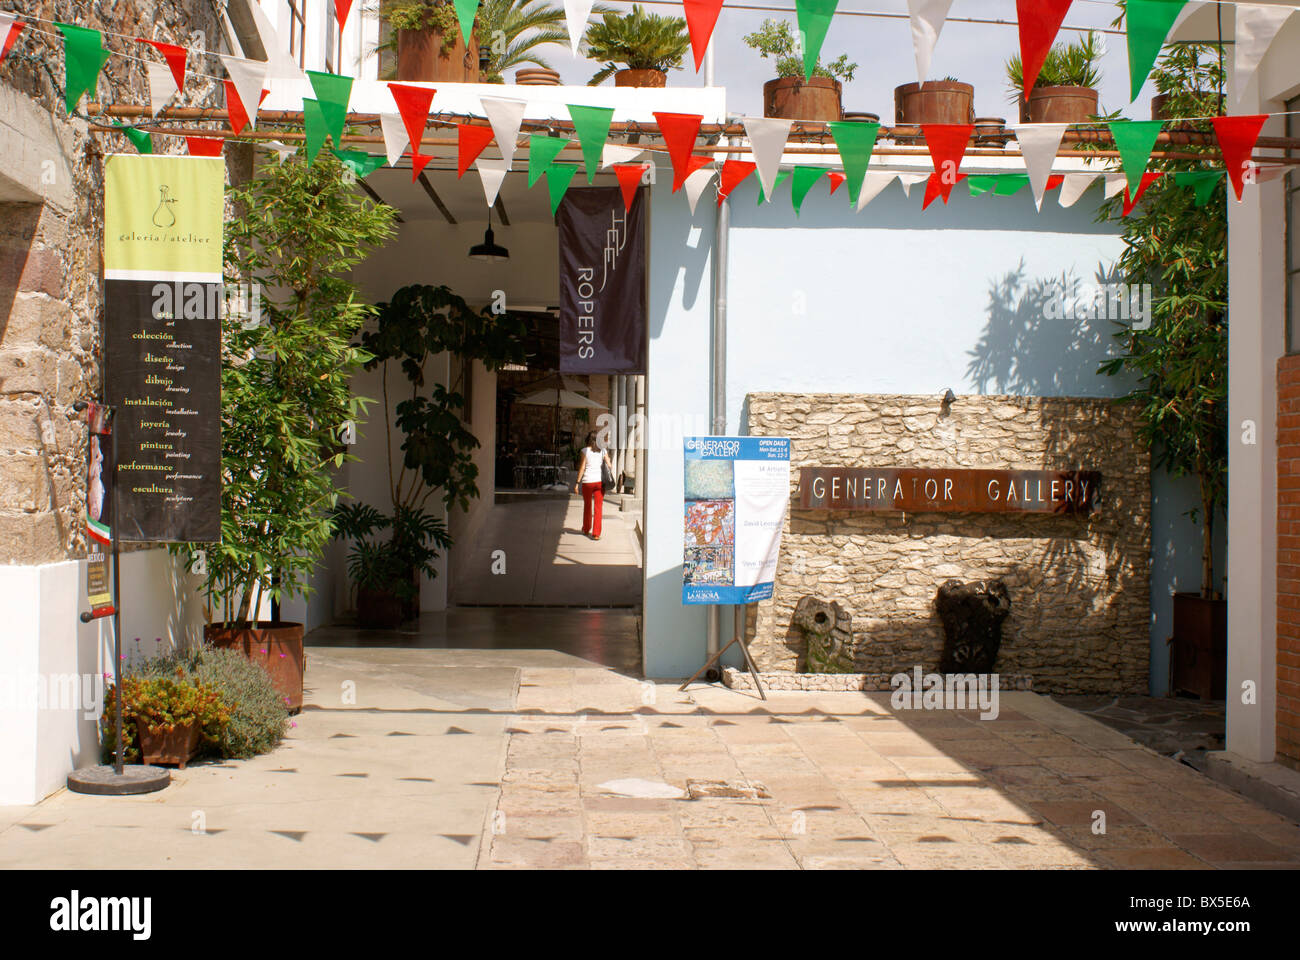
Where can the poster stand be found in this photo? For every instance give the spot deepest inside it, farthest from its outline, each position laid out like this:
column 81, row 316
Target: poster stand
column 749, row 663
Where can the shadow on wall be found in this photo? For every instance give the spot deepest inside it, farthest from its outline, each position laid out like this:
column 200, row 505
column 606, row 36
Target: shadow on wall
column 1031, row 346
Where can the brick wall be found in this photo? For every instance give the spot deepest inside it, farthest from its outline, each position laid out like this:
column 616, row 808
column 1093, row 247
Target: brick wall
column 1288, row 560
column 1080, row 587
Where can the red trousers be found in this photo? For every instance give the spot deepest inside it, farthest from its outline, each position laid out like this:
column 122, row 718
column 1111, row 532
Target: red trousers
column 593, row 506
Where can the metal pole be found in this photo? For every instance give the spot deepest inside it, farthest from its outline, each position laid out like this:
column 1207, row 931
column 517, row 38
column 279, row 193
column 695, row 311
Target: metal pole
column 708, row 65
column 718, row 375
column 117, row 599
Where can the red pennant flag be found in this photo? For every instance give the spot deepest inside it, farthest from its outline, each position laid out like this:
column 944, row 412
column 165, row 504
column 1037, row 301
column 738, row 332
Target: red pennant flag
column 694, row 162
column 15, row 28
column 1237, row 136
column 947, row 145
column 413, row 103
column 418, row 162
column 1131, row 201
column 204, row 146
column 1054, row 181
column 239, row 118
column 1040, row 20
column 341, row 10
column 175, row 57
column 701, row 18
column 679, row 131
column 733, row 172
column 629, row 178
column 836, row 179
column 470, row 142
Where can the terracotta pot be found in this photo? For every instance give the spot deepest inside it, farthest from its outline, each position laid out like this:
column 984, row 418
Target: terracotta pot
column 640, row 78
column 939, row 101
column 379, row 609
column 1059, row 105
column 538, row 76
column 1198, row 654
column 274, row 646
column 791, row 98
column 420, row 57
column 178, row 745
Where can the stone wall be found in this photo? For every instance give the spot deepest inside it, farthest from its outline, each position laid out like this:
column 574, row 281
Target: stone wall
column 51, row 220
column 1080, row 586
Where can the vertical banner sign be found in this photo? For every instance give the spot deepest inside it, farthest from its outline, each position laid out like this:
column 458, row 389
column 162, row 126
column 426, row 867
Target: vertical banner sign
column 602, row 281
column 737, row 497
column 163, row 303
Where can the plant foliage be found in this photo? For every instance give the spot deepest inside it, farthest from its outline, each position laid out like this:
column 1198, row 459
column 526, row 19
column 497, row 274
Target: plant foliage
column 513, row 30
column 1067, row 65
column 163, row 702
column 776, row 39
column 638, row 41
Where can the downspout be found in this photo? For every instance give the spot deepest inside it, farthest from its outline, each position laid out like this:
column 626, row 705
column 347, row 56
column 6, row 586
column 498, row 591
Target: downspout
column 718, row 377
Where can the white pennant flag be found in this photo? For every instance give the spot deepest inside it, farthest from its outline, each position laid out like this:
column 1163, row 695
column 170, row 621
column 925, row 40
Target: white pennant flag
column 696, row 183
column 615, row 153
column 907, row 179
column 396, row 139
column 505, row 117
column 1116, row 183
column 927, row 20
column 282, row 150
column 162, row 85
column 281, row 64
column 1265, row 174
column 1256, row 26
column 492, row 172
column 1073, row 187
column 767, row 137
column 249, row 78
column 872, row 184
column 576, row 14
column 1038, row 145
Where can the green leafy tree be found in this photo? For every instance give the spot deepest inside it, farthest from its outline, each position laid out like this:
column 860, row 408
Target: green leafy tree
column 638, row 41
column 1181, row 250
column 286, row 394
column 775, row 39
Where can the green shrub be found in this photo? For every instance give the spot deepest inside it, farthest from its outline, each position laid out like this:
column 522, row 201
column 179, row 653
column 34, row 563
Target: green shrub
column 162, row 701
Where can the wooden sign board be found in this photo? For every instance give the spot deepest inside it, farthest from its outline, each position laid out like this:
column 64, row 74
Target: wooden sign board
column 945, row 490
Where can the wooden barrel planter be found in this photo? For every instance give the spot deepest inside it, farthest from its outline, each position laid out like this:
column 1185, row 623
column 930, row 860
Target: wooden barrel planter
column 991, row 129
column 420, row 57
column 273, row 645
column 177, row 746
column 1198, row 655
column 640, row 78
column 538, row 77
column 938, row 101
column 1059, row 105
column 793, row 98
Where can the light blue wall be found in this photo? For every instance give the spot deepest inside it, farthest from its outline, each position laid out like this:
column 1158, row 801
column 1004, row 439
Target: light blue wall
column 889, row 300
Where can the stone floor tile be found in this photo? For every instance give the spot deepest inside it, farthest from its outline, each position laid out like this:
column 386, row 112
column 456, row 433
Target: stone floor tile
column 1230, row 849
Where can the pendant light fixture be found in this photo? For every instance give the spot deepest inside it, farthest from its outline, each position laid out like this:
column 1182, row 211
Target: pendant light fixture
column 489, row 251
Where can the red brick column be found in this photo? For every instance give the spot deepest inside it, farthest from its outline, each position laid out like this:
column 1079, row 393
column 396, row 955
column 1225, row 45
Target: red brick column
column 1288, row 560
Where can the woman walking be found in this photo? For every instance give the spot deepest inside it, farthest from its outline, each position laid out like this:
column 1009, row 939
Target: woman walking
column 590, row 485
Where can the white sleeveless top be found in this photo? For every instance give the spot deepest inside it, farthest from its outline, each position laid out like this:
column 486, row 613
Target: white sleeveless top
column 592, row 460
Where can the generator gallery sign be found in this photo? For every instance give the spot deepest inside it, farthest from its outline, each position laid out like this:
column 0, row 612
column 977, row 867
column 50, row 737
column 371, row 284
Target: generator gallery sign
column 917, row 490
column 163, row 301
column 602, row 282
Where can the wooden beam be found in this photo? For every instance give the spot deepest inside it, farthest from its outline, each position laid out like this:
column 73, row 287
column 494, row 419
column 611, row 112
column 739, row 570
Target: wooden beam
column 437, row 200
column 378, row 199
column 500, row 208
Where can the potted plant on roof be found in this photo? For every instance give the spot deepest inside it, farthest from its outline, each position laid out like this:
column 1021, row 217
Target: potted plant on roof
column 1181, row 361
column 515, row 29
column 646, row 44
column 935, row 101
column 427, row 39
column 286, row 397
column 1066, row 88
column 790, row 95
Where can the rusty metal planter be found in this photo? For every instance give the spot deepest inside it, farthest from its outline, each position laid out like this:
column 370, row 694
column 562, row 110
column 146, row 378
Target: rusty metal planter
column 274, row 646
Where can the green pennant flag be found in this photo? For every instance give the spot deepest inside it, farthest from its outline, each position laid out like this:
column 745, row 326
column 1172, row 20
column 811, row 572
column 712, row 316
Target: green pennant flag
column 1202, row 183
column 980, row 183
column 804, row 178
column 558, row 178
column 84, row 56
column 363, row 164
column 465, row 12
column 332, row 93
column 814, row 20
column 855, row 141
column 1009, row 184
column 1134, row 139
column 542, row 152
column 143, row 142
column 313, row 128
column 591, row 124
column 1148, row 23
column 781, row 177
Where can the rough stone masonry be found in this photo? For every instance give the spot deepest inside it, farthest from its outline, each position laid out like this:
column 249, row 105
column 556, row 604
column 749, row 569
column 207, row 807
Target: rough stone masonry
column 1080, row 586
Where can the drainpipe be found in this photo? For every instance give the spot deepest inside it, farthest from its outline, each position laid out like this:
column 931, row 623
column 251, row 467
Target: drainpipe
column 718, row 377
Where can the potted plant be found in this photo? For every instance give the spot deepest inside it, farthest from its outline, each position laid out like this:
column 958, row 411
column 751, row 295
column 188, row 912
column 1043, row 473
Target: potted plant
column 1066, row 88
column 646, row 44
column 165, row 719
column 427, row 39
column 1181, row 362
column 791, row 96
column 297, row 231
column 514, row 29
column 936, row 101
column 386, row 572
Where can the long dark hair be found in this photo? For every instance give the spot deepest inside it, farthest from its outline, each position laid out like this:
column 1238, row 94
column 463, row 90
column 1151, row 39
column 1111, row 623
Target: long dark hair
column 591, row 441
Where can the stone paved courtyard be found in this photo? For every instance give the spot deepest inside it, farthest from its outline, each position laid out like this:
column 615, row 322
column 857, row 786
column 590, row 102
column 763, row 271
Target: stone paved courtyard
column 521, row 759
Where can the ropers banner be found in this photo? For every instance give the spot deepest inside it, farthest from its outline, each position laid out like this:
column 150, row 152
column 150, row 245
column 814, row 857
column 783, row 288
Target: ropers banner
column 737, row 496
column 602, row 282
column 163, row 298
